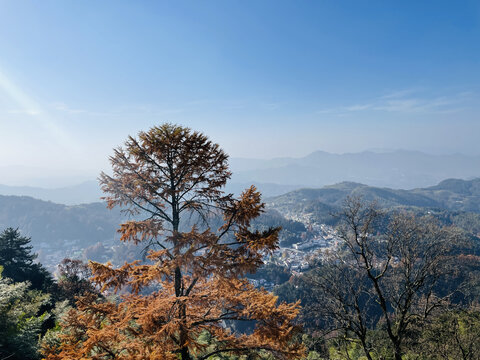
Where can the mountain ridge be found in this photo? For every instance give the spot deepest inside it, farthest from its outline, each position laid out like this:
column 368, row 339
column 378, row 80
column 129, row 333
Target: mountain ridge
column 449, row 194
column 400, row 169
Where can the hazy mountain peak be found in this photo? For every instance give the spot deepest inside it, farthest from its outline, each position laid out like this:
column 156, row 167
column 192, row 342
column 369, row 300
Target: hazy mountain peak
column 459, row 186
column 401, row 169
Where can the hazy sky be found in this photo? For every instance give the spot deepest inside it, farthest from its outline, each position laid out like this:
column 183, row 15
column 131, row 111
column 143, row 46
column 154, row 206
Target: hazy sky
column 262, row 78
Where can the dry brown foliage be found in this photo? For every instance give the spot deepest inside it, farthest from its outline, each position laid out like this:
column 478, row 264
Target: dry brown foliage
column 193, row 282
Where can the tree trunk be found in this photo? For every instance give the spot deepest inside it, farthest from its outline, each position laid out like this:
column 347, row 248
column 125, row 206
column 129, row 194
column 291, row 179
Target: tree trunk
column 182, row 314
column 185, row 354
column 365, row 349
column 398, row 352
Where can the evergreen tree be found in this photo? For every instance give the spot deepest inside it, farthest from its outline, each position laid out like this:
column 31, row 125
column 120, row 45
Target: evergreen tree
column 18, row 264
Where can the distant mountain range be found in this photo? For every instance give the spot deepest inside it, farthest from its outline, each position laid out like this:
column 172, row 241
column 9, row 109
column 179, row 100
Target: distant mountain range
column 393, row 169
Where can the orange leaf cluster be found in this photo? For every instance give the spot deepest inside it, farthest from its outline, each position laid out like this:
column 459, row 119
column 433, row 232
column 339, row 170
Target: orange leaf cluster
column 192, row 284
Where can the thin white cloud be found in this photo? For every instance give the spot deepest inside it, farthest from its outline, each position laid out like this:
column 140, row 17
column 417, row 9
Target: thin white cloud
column 409, row 101
column 417, row 104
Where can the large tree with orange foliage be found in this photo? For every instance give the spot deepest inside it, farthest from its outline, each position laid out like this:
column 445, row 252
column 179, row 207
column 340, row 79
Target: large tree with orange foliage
column 193, row 282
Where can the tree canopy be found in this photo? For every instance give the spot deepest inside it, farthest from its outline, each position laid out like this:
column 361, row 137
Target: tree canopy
column 192, row 283
column 18, row 263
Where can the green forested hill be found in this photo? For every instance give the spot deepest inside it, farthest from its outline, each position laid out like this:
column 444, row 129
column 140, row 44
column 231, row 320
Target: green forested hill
column 56, row 224
column 455, row 194
column 451, row 194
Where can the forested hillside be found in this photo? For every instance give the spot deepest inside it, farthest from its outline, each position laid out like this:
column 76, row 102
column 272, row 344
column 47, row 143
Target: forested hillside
column 452, row 195
column 54, row 224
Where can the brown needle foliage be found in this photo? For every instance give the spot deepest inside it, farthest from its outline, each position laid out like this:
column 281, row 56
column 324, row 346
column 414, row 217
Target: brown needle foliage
column 193, row 282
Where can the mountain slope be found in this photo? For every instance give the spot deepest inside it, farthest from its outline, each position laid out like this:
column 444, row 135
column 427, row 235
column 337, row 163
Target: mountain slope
column 54, row 225
column 451, row 194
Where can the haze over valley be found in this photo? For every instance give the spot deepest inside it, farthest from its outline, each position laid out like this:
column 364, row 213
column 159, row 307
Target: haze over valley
column 399, row 169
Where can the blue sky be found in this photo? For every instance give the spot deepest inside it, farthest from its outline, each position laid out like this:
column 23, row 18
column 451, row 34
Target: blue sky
column 262, row 78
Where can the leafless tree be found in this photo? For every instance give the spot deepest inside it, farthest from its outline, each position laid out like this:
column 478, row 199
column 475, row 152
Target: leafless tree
column 385, row 272
column 340, row 302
